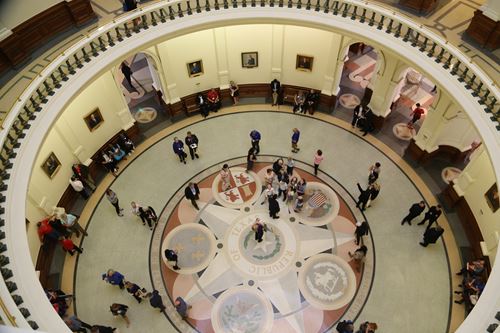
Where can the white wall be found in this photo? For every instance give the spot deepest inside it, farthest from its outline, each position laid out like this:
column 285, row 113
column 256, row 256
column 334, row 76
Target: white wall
column 15, row 12
column 72, row 142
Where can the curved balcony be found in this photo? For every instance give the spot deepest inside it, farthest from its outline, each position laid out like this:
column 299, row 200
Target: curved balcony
column 37, row 108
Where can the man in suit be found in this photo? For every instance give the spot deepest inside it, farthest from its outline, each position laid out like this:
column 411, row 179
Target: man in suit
column 415, row 210
column 367, row 116
column 432, row 215
column 431, row 235
column 255, row 137
column 192, row 143
column 192, row 193
column 364, row 196
column 127, row 72
column 358, row 111
column 275, row 88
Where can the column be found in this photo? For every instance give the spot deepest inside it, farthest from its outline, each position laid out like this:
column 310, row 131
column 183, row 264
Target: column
column 127, row 120
column 384, row 84
column 277, row 51
column 221, row 56
column 332, row 77
column 339, row 67
column 71, row 141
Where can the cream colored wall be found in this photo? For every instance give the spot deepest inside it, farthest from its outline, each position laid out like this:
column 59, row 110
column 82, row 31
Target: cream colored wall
column 221, row 48
column 15, row 12
column 72, row 142
column 475, row 180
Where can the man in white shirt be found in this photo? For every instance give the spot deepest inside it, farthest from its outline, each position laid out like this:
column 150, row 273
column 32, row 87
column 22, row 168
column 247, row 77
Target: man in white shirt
column 78, row 187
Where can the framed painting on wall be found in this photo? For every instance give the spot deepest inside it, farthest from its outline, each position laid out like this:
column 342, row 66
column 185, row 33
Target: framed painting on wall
column 304, row 63
column 492, row 198
column 195, row 68
column 249, row 59
column 51, row 165
column 93, row 120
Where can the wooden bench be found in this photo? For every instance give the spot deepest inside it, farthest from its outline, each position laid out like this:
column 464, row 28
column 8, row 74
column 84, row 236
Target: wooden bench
column 190, row 103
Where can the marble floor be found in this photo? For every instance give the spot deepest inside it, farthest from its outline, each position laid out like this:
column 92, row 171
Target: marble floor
column 397, row 287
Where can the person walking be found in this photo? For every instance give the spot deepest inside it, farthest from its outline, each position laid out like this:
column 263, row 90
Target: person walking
column 76, row 325
column 127, row 72
column 255, row 139
column 318, row 158
column 113, row 199
column 137, row 292
column 156, row 301
column 373, row 172
column 178, row 147
column 102, row 329
column 225, row 176
column 359, row 257
column 258, row 229
column 275, row 90
column 361, row 230
column 415, row 210
column 118, row 309
column 149, row 215
column 290, row 163
column 357, row 112
column 364, row 196
column 295, row 140
column 70, row 247
column 431, row 235
column 192, row 193
column 182, row 307
column 432, row 215
column 274, row 207
column 70, row 221
column 135, row 211
column 171, row 255
column 192, row 143
column 251, row 158
column 114, row 278
column 417, row 114
column 374, row 191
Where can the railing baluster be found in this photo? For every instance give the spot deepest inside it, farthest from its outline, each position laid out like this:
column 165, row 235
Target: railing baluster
column 198, row 7
column 477, row 91
column 36, row 106
column 71, row 70
column 179, row 10
column 372, row 20
column 144, row 21
column 317, row 7
column 189, row 10
column 308, row 5
column 216, row 5
column 280, row 3
column 455, row 68
column 262, row 3
column 363, row 16
column 48, row 88
column 389, row 27
column 207, row 6
column 85, row 55
column 41, row 96
column 491, row 106
column 484, row 98
column 127, row 29
column 102, row 45
column 171, row 13
column 327, row 6
column 415, row 39
column 345, row 11
column 354, row 13
column 381, row 23
column 439, row 57
column 290, row 3
column 119, row 36
column 398, row 30
column 63, row 75
column 463, row 76
column 110, row 39
column 93, row 49
column 299, row 4
column 153, row 19
column 447, row 64
column 407, row 35
column 470, row 83
column 424, row 45
column 271, row 3
column 336, row 8
column 432, row 50
column 226, row 4
column 55, row 81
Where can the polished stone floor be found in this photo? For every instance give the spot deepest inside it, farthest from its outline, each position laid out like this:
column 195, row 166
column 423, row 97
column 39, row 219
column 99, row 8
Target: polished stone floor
column 403, row 282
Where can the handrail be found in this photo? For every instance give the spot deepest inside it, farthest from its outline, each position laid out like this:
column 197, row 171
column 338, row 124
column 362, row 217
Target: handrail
column 10, row 317
column 31, row 101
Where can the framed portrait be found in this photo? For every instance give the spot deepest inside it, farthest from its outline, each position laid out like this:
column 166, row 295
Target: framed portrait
column 51, row 165
column 492, row 197
column 304, row 63
column 195, row 68
column 249, row 59
column 93, row 120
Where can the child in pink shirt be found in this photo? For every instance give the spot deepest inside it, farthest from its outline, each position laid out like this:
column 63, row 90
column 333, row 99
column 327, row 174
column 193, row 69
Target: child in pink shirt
column 317, row 160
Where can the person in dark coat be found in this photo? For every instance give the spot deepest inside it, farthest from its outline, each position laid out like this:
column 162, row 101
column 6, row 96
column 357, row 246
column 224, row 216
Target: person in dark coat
column 361, row 230
column 127, row 72
column 192, row 193
column 368, row 120
column 258, row 228
column 432, row 215
column 275, row 90
column 251, row 158
column 278, row 165
column 274, row 207
column 312, row 98
column 102, row 329
column 415, row 210
column 255, row 137
column 431, row 235
column 178, row 147
column 156, row 301
column 364, row 196
column 149, row 215
column 202, row 104
column 192, row 143
column 374, row 191
column 356, row 114
column 171, row 255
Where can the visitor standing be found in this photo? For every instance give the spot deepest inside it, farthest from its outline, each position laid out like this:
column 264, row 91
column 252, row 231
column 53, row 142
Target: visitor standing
column 178, row 147
column 255, row 139
column 318, row 158
column 114, row 278
column 415, row 210
column 295, row 140
column 432, row 215
column 118, row 309
column 192, row 193
column 113, row 199
column 251, row 158
column 192, row 143
column 234, row 91
column 275, row 90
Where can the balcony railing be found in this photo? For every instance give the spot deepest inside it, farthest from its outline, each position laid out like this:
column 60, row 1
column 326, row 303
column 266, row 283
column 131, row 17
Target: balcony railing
column 31, row 102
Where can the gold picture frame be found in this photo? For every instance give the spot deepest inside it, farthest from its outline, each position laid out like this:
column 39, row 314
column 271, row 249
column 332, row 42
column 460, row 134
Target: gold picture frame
column 51, row 165
column 249, row 59
column 195, row 68
column 93, row 120
column 304, row 63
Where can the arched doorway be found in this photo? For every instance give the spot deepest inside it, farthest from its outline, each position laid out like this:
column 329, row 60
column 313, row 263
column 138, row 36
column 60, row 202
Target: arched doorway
column 139, row 79
column 414, row 93
column 358, row 71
